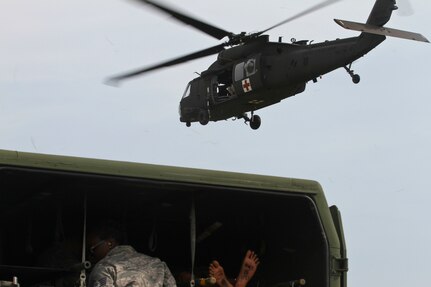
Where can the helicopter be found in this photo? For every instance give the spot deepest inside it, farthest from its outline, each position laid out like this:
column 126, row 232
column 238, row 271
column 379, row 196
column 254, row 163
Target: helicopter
column 253, row 73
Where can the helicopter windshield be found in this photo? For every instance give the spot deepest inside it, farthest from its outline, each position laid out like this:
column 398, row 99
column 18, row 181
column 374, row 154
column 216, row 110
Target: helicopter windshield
column 187, row 91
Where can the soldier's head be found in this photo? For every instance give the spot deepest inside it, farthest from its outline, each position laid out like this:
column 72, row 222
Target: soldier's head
column 102, row 238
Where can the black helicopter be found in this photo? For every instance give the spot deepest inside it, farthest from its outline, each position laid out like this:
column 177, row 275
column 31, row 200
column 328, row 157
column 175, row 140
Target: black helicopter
column 254, row 73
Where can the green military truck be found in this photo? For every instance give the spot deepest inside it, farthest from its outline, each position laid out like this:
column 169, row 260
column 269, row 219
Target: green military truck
column 187, row 217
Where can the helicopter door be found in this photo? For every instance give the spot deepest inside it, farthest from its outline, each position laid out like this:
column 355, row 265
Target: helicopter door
column 199, row 93
column 247, row 76
column 222, row 88
column 194, row 103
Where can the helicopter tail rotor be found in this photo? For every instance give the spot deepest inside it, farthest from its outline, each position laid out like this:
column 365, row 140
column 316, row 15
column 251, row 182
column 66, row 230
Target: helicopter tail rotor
column 405, row 8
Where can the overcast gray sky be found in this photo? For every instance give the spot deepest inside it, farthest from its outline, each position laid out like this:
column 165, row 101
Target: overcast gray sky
column 367, row 144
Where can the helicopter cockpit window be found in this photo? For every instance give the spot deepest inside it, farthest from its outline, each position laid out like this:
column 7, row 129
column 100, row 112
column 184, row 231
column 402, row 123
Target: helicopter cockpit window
column 187, row 91
column 245, row 69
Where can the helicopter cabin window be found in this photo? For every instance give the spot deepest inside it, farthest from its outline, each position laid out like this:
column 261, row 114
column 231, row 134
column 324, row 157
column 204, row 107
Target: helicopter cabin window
column 239, row 72
column 250, row 67
column 187, row 91
column 245, row 69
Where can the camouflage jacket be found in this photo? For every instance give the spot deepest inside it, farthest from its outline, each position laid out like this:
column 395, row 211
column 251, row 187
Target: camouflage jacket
column 123, row 266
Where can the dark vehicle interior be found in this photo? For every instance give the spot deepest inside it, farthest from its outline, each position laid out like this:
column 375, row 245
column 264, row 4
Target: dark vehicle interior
column 43, row 214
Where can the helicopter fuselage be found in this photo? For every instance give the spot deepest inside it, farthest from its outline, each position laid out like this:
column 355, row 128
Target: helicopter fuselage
column 252, row 72
column 260, row 73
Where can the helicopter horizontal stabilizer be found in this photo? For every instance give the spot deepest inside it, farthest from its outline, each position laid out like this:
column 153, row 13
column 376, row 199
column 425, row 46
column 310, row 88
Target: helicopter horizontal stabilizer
column 367, row 28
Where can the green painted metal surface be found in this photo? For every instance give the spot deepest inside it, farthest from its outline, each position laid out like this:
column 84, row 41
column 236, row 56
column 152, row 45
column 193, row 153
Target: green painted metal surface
column 157, row 172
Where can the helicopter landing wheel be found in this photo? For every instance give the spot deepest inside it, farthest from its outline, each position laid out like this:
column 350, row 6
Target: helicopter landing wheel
column 356, row 78
column 203, row 117
column 188, row 124
column 255, row 122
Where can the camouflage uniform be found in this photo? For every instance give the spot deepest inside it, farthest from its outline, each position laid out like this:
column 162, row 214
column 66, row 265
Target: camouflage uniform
column 123, row 266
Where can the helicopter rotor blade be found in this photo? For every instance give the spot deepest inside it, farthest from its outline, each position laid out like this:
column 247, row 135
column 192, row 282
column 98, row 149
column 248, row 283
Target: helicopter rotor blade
column 303, row 13
column 196, row 55
column 202, row 26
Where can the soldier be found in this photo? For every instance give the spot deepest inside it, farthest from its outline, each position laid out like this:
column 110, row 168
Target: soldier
column 121, row 265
